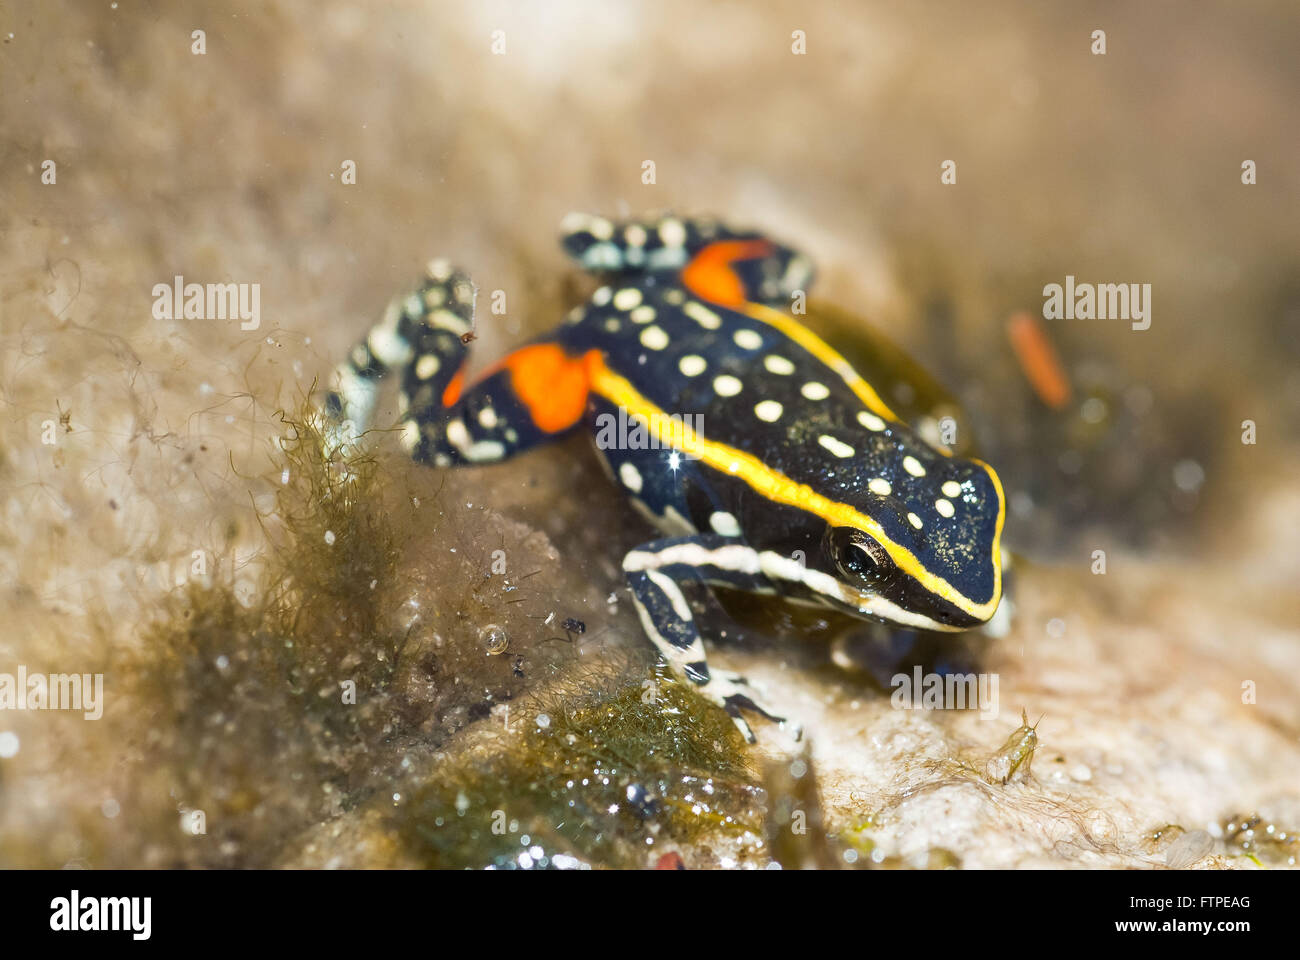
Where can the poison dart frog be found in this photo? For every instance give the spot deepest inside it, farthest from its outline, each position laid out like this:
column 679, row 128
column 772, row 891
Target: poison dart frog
column 771, row 465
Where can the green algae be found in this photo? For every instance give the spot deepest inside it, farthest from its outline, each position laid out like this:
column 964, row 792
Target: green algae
column 1264, row 841
column 259, row 694
column 272, row 695
column 799, row 837
column 617, row 780
column 796, row 831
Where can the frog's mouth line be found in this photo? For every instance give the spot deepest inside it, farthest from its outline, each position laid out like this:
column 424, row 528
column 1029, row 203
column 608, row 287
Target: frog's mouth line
column 838, row 595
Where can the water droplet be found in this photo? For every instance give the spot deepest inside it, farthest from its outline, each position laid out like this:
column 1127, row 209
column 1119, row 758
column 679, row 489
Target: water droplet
column 495, row 640
column 1189, row 475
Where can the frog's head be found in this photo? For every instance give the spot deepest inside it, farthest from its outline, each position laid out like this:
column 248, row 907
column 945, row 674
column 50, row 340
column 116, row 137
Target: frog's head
column 921, row 548
column 718, row 264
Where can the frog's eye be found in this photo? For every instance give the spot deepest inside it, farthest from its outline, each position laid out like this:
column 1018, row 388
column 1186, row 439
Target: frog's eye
column 858, row 556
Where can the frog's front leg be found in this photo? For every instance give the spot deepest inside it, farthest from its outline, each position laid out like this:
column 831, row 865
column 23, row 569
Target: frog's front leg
column 656, row 572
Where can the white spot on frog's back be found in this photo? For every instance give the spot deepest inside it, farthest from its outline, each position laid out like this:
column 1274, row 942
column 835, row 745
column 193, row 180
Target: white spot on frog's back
column 836, row 447
column 813, row 390
column 747, row 339
column 630, row 476
column 880, row 487
column 672, row 232
column 870, row 420
column 702, row 315
column 778, row 365
column 427, row 366
column 724, row 524
column 457, row 435
column 627, row 298
column 692, row 365
column 913, row 466
column 654, row 338
column 944, row 507
column 768, row 410
column 727, row 385
column 951, row 488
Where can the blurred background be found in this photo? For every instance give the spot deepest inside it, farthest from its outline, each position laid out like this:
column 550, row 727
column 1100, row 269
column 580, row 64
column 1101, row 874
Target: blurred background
column 474, row 127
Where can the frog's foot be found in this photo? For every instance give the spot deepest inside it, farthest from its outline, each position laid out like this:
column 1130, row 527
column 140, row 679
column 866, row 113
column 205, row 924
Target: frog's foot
column 656, row 571
column 735, row 693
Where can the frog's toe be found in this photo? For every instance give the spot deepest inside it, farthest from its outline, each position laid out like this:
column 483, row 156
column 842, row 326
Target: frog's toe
column 743, row 726
column 733, row 693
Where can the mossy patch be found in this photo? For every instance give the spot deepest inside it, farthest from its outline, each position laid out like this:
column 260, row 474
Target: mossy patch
column 261, row 693
column 279, row 691
column 614, row 780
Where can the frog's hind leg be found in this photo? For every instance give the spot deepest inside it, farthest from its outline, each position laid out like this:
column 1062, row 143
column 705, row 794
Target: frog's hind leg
column 535, row 394
column 714, row 262
column 660, row 244
column 656, row 571
column 421, row 336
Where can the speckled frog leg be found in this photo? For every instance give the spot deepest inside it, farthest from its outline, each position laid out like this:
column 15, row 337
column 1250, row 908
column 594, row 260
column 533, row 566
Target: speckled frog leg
column 656, row 572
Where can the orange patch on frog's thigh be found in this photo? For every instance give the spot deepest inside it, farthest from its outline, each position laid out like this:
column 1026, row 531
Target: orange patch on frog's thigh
column 710, row 276
column 550, row 384
column 454, row 389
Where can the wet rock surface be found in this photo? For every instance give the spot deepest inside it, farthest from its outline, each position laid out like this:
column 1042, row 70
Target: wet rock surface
column 303, row 672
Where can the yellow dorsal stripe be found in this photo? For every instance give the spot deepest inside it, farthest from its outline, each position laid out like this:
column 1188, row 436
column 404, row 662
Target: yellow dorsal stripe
column 824, row 352
column 674, row 433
